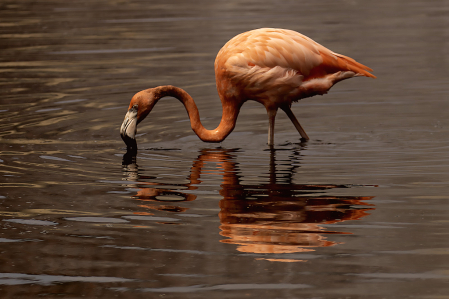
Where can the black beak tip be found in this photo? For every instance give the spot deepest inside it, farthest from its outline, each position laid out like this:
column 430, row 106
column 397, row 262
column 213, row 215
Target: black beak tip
column 131, row 143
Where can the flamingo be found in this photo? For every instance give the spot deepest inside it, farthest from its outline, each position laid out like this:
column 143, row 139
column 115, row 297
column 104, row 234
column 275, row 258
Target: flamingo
column 274, row 67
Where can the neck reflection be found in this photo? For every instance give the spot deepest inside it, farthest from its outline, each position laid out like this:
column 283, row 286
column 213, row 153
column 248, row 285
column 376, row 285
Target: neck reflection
column 279, row 216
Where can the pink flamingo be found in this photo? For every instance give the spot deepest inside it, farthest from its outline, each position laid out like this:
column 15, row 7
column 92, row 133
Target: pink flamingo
column 274, row 67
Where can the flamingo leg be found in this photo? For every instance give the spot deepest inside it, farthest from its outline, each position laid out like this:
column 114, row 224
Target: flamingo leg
column 295, row 122
column 271, row 117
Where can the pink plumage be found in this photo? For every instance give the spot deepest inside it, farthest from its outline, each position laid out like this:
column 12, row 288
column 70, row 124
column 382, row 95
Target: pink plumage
column 271, row 66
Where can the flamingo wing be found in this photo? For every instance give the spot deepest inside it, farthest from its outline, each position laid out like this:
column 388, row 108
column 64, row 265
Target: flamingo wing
column 278, row 63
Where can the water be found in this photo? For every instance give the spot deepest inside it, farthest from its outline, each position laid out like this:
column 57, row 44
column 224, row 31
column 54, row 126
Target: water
column 359, row 211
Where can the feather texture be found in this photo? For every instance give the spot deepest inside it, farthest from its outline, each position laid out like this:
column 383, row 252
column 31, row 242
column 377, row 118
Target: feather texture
column 281, row 65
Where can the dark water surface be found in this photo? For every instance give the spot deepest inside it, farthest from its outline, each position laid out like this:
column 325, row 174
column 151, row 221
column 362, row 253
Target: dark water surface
column 359, row 211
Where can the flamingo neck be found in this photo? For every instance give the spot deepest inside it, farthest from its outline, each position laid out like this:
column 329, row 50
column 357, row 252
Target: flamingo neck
column 228, row 119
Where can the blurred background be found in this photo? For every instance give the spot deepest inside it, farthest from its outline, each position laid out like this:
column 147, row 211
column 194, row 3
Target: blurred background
column 359, row 211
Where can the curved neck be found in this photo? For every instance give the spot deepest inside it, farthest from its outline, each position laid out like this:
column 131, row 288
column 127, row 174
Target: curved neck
column 228, row 118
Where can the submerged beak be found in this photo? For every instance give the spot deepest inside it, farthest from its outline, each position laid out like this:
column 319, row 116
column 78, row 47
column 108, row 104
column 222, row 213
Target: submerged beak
column 129, row 128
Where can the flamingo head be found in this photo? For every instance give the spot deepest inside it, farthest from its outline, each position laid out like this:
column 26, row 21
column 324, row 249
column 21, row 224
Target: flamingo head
column 140, row 106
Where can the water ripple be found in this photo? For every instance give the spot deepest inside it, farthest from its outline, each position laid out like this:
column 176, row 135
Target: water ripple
column 45, row 280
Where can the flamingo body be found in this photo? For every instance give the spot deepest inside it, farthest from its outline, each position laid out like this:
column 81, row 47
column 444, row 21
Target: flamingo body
column 274, row 67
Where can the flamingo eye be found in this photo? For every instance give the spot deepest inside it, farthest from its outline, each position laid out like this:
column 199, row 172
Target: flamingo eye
column 134, row 107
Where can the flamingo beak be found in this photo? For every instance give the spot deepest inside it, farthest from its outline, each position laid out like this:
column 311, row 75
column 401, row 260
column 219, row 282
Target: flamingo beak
column 129, row 128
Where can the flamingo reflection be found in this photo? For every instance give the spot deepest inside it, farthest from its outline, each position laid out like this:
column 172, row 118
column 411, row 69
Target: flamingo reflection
column 279, row 216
